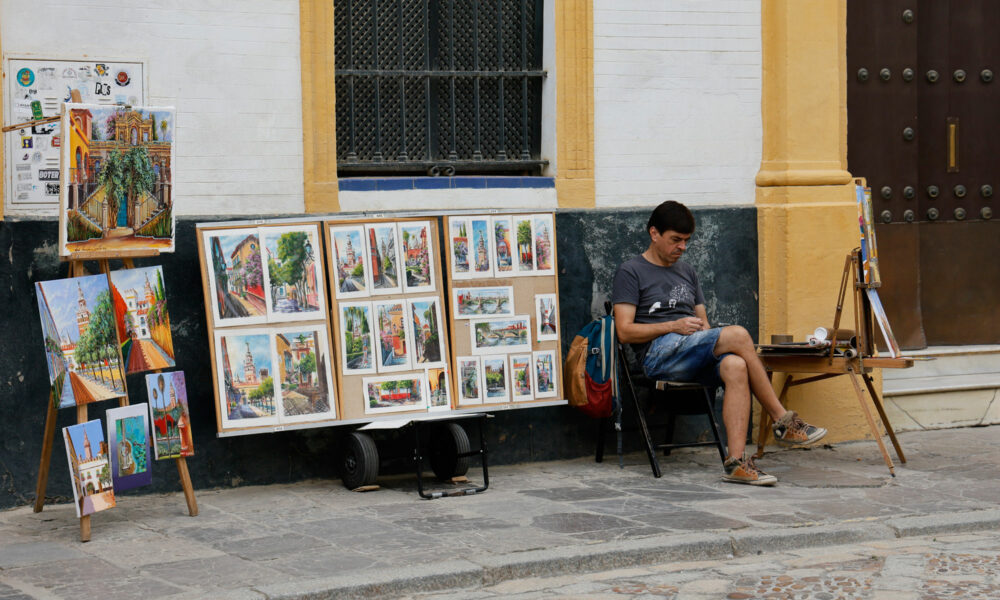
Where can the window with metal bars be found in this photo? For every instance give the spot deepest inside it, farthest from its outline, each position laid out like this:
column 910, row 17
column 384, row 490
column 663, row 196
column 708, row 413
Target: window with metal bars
column 438, row 86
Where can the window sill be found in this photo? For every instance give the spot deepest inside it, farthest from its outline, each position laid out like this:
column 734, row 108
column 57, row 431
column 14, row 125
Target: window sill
column 384, row 184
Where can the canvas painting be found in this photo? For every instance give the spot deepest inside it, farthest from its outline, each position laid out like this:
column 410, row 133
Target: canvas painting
column 140, row 302
column 128, row 432
column 168, row 409
column 481, row 302
column 546, row 319
column 357, row 338
column 438, row 393
column 496, row 379
column 236, row 279
column 245, row 372
column 503, row 248
column 383, row 248
column 418, row 256
column 866, row 223
column 525, row 262
column 117, row 179
column 470, row 380
column 883, row 322
column 394, row 393
column 458, row 244
column 543, row 243
column 501, row 335
column 349, row 262
column 392, row 336
column 545, row 373
column 520, row 377
column 293, row 277
column 425, row 329
column 81, row 349
column 87, row 455
column 304, row 380
column 482, row 247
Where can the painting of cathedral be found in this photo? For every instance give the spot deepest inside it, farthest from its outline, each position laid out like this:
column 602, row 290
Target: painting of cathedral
column 348, row 264
column 130, row 453
column 87, row 455
column 140, row 302
column 117, row 179
column 482, row 247
column 245, row 375
column 171, row 419
column 543, row 244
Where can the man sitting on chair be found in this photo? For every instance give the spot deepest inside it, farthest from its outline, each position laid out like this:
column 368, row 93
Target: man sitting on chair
column 660, row 310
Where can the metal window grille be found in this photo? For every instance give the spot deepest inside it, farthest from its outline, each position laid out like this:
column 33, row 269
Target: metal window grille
column 438, row 86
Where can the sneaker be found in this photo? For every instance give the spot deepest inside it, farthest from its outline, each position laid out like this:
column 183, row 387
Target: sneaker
column 743, row 470
column 790, row 430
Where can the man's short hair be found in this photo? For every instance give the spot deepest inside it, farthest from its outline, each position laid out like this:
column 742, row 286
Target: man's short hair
column 671, row 216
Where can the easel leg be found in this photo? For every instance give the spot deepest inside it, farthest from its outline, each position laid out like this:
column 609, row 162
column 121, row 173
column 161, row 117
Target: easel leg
column 182, row 470
column 871, row 421
column 885, row 420
column 43, row 465
column 765, row 419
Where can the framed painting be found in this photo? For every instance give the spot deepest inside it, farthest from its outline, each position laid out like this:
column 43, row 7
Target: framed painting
column 349, row 261
column 545, row 373
column 395, row 393
column 482, row 247
column 357, row 338
column 483, row 302
column 383, row 248
column 496, row 379
column 546, row 319
column 525, row 258
column 293, row 278
column 117, row 179
column 143, row 322
column 424, row 316
column 418, row 256
column 458, row 247
column 503, row 247
column 89, row 469
column 510, row 334
column 171, row 420
column 244, row 372
column 470, row 380
column 129, row 448
column 305, row 383
column 438, row 392
column 542, row 244
column 81, row 348
column 521, row 386
column 392, row 335
column 236, row 277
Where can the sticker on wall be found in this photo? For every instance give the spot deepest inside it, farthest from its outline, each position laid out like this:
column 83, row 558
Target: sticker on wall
column 123, row 78
column 26, row 77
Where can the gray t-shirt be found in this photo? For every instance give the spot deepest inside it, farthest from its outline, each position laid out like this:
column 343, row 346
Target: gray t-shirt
column 658, row 293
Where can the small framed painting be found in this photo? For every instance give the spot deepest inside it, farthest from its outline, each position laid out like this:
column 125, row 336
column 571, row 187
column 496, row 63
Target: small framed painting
column 438, row 392
column 418, row 256
column 89, row 470
column 383, row 248
column 304, row 379
column 245, row 374
column 542, row 244
column 546, row 319
column 128, row 434
column 503, row 247
column 395, row 393
column 171, row 420
column 424, row 316
column 458, row 248
column 524, row 263
column 357, row 338
column 470, row 380
column 508, row 334
column 482, row 247
column 496, row 379
column 392, row 336
column 350, row 264
column 293, row 278
column 483, row 302
column 545, row 373
column 520, row 377
column 236, row 278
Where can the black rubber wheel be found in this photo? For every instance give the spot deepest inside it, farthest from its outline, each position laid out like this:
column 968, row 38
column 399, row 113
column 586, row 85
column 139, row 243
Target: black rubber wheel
column 448, row 442
column 358, row 460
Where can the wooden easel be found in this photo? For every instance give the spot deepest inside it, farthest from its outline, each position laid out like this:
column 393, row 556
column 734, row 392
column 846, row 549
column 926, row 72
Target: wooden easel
column 77, row 269
column 832, row 365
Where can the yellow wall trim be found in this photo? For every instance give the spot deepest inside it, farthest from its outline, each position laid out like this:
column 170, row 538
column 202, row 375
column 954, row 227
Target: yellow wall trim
column 767, row 178
column 319, row 107
column 574, row 25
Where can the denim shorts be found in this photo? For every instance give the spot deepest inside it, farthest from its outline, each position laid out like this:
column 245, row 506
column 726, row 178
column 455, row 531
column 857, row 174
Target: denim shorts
column 687, row 358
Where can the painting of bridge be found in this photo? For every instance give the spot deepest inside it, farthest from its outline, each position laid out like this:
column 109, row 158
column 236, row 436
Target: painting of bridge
column 117, row 192
column 501, row 335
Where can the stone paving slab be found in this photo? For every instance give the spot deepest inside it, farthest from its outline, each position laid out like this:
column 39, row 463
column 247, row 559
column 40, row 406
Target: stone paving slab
column 568, row 519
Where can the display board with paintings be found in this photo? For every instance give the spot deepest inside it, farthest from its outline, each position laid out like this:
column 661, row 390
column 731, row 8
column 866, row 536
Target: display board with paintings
column 388, row 310
column 504, row 317
column 266, row 304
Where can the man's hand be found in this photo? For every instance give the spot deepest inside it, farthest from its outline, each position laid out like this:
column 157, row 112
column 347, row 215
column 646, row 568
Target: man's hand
column 688, row 325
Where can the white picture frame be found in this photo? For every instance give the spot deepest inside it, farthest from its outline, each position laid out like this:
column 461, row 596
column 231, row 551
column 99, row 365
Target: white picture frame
column 382, row 309
column 480, row 247
column 417, row 257
column 219, row 246
column 384, row 231
column 543, row 244
column 522, row 363
column 505, row 334
column 546, row 317
column 442, row 378
column 502, row 253
column 469, row 370
column 425, row 353
column 349, row 249
column 459, row 248
column 365, row 362
column 322, row 355
column 276, row 308
column 524, row 262
column 467, row 300
column 259, row 343
column 492, row 392
column 421, row 385
column 545, row 359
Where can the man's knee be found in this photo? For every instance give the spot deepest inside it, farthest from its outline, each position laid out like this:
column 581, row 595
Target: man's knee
column 733, row 370
column 734, row 337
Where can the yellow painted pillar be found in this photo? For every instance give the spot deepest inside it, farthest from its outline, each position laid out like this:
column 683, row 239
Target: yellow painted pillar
column 319, row 107
column 575, row 103
column 806, row 212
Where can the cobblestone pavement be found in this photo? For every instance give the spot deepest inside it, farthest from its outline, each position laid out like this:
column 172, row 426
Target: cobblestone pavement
column 965, row 566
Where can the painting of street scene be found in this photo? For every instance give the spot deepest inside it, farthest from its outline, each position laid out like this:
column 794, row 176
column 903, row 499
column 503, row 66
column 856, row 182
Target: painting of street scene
column 520, row 376
column 503, row 335
column 87, row 455
column 168, row 409
column 542, row 244
column 237, row 277
column 293, row 279
column 391, row 336
column 470, row 380
column 128, row 431
column 140, row 302
column 357, row 337
column 438, row 393
column 117, row 191
column 503, row 262
column 458, row 238
column 383, row 248
column 482, row 244
column 394, row 393
column 483, row 302
column 304, row 374
column 545, row 382
column 246, row 379
column 81, row 351
column 349, row 262
column 425, row 321
column 495, row 379
column 525, row 257
column 545, row 317
column 418, row 256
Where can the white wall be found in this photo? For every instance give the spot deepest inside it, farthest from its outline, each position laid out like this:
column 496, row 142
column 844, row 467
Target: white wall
column 231, row 69
column 677, row 101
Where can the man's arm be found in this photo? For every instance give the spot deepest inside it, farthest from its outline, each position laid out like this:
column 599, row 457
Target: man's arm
column 699, row 311
column 630, row 332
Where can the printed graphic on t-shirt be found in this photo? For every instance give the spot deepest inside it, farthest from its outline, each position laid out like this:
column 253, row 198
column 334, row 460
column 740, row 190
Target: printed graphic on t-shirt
column 680, row 294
